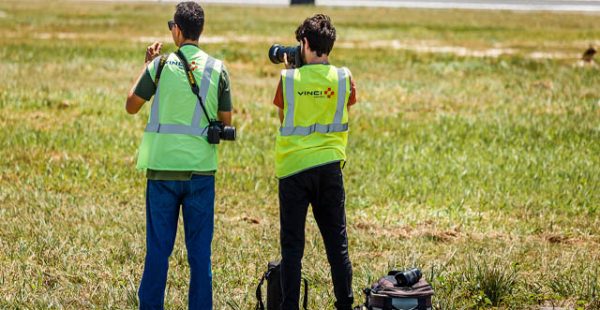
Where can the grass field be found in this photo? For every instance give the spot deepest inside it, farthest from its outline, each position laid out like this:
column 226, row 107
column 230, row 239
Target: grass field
column 483, row 171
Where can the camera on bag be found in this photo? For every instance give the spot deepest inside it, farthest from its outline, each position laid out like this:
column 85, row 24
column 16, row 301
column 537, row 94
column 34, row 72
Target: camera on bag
column 407, row 277
column 399, row 290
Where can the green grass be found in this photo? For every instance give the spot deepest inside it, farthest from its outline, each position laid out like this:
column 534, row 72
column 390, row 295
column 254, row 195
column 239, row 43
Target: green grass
column 483, row 171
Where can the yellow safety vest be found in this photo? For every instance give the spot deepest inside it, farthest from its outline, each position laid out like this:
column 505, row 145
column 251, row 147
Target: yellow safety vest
column 315, row 124
column 175, row 138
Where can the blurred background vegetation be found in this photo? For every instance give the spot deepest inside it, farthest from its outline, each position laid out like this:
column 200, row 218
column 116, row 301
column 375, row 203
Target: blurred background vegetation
column 473, row 154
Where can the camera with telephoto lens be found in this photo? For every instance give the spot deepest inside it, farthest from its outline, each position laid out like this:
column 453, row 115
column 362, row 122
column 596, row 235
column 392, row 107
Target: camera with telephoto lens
column 407, row 277
column 294, row 56
column 218, row 131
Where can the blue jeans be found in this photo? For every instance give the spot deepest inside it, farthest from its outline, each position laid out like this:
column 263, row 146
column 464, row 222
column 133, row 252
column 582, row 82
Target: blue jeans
column 163, row 200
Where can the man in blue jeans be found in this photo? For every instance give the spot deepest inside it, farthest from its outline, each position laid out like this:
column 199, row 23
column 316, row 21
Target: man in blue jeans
column 179, row 161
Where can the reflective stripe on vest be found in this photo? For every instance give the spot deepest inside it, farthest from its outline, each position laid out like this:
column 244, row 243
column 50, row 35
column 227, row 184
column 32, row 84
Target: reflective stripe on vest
column 194, row 129
column 289, row 129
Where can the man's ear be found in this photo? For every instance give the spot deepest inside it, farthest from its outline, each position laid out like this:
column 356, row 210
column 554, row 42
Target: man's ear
column 305, row 42
column 178, row 33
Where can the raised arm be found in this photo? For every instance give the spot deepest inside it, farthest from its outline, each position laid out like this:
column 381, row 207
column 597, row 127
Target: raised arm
column 134, row 103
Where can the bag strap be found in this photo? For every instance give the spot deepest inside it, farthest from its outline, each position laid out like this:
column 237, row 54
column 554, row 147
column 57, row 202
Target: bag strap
column 161, row 65
column 305, row 302
column 260, row 305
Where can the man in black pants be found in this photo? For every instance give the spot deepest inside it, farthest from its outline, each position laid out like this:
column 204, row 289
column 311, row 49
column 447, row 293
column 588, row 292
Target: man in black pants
column 313, row 103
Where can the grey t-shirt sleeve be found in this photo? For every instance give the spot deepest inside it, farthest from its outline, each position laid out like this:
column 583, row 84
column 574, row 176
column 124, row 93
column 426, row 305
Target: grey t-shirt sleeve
column 224, row 92
column 145, row 88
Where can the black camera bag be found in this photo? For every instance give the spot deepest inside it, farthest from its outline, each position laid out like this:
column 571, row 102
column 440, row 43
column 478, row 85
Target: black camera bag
column 274, row 295
column 386, row 295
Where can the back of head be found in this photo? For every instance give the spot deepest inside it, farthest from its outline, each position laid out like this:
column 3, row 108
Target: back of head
column 189, row 17
column 320, row 33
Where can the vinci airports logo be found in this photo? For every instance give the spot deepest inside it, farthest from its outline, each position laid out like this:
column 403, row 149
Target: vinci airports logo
column 193, row 66
column 317, row 93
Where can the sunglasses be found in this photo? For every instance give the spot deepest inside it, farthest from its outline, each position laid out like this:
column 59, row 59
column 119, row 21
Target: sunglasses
column 171, row 24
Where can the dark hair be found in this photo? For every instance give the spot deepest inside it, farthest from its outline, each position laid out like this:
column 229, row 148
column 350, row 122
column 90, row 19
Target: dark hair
column 189, row 17
column 319, row 32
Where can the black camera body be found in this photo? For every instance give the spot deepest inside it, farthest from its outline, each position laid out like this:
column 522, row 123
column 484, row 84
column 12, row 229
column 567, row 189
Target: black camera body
column 406, row 277
column 294, row 55
column 217, row 132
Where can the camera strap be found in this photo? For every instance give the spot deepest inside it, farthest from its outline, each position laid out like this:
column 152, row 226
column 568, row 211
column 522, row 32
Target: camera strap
column 161, row 65
column 192, row 80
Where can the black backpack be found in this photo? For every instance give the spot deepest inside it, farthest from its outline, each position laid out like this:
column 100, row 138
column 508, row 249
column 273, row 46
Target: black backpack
column 273, row 276
column 387, row 295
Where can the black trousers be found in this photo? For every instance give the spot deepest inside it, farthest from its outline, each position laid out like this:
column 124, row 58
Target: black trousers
column 323, row 188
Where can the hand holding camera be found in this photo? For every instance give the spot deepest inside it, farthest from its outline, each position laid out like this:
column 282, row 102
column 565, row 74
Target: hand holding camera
column 286, row 62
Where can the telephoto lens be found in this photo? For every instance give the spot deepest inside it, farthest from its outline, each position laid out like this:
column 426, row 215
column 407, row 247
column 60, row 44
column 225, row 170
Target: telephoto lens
column 408, row 277
column 228, row 133
column 277, row 51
